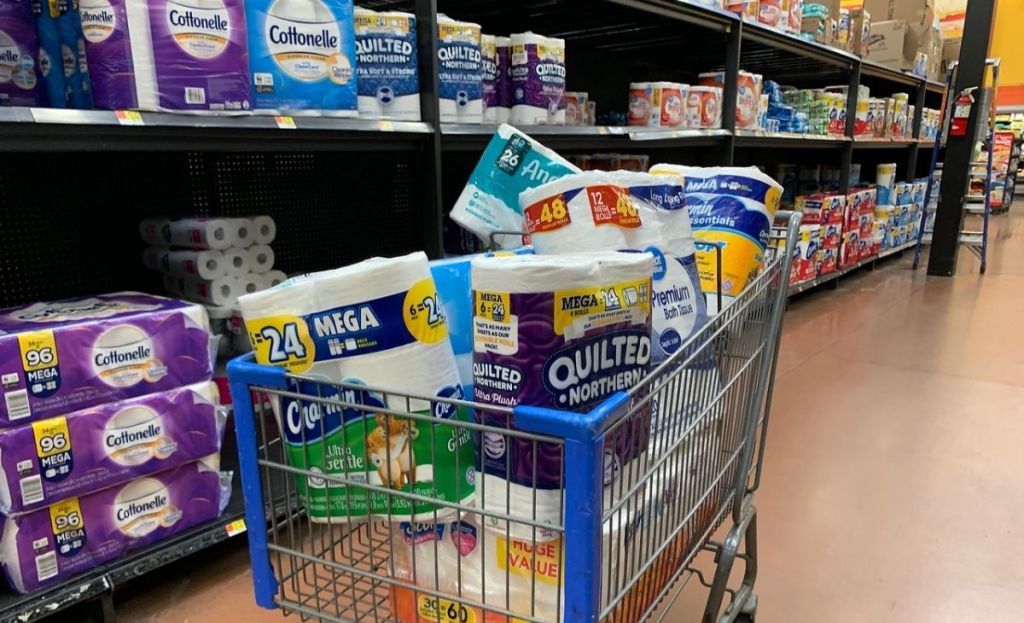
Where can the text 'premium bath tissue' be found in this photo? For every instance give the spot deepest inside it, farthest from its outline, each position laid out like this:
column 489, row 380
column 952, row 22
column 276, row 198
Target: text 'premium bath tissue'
column 563, row 332
column 87, row 450
column 68, row 355
column 80, row 533
column 376, row 323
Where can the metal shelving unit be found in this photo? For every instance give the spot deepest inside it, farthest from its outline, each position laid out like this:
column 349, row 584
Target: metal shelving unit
column 821, row 280
column 71, row 198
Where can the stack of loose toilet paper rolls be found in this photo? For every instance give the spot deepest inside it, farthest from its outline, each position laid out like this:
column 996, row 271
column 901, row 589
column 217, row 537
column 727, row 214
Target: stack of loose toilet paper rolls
column 213, row 261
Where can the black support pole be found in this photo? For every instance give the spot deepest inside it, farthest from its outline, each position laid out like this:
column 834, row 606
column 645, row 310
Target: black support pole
column 732, row 69
column 431, row 212
column 956, row 166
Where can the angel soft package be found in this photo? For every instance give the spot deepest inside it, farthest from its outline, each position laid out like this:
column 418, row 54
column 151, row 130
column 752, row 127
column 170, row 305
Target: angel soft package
column 511, row 163
column 563, row 332
column 50, row 460
column 621, row 210
column 68, row 355
column 732, row 206
column 77, row 534
column 376, row 323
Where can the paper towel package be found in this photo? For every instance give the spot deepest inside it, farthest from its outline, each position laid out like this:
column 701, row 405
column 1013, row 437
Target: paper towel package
column 563, row 332
column 72, row 354
column 84, row 451
column 538, row 79
column 77, row 534
column 734, row 206
column 511, row 163
column 194, row 233
column 302, row 56
column 109, row 54
column 21, row 80
column 186, row 55
column 389, row 85
column 460, row 72
column 376, row 323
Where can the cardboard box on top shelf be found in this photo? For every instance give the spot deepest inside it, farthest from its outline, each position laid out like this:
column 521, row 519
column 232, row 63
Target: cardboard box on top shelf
column 887, row 41
column 912, row 11
column 828, row 9
column 860, row 24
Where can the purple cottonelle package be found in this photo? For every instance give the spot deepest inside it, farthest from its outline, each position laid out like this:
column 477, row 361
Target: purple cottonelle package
column 538, row 80
column 21, row 83
column 562, row 332
column 108, row 48
column 78, row 534
column 68, row 355
column 69, row 455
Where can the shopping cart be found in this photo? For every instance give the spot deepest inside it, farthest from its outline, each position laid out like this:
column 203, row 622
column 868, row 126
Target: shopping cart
column 645, row 480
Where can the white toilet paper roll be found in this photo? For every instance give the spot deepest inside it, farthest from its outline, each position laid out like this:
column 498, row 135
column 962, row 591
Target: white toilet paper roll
column 373, row 323
column 244, row 231
column 201, row 264
column 249, row 283
column 190, row 233
column 264, row 229
column 274, row 278
column 578, row 212
column 236, row 261
column 219, row 291
column 261, row 258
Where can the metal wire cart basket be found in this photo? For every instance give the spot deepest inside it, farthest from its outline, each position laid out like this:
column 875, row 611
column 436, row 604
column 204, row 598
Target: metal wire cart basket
column 611, row 543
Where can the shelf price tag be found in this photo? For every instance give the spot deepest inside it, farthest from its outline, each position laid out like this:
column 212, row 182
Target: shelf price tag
column 235, row 527
column 386, row 126
column 285, row 123
column 129, row 117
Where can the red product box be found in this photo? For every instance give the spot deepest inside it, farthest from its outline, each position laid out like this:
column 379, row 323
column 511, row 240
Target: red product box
column 831, row 235
column 864, row 248
column 826, row 208
column 849, row 252
column 828, row 261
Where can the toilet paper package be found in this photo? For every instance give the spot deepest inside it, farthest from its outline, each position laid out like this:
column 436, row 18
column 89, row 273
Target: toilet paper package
column 460, row 71
column 452, row 276
column 563, row 332
column 579, row 213
column 62, row 53
column 83, row 451
column 389, row 86
column 202, row 264
column 191, row 233
column 376, row 323
column 68, row 355
column 218, row 291
column 511, row 163
column 538, row 79
column 109, row 54
column 733, row 206
column 491, row 79
column 80, row 533
column 186, row 55
column 21, row 79
column 51, row 60
column 302, row 55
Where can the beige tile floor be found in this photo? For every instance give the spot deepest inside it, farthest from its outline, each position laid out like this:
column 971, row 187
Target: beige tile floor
column 893, row 487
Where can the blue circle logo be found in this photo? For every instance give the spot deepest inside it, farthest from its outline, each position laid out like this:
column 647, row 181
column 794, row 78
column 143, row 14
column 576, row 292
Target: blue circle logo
column 385, row 95
column 670, row 340
column 660, row 266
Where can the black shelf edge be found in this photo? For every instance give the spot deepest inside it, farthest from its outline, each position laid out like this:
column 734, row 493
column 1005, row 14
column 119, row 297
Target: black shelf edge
column 457, row 136
column 793, row 44
column 884, row 143
column 46, row 129
column 877, row 70
column 758, row 138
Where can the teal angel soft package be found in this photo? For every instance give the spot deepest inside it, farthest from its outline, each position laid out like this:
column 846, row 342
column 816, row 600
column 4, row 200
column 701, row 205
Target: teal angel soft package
column 302, row 56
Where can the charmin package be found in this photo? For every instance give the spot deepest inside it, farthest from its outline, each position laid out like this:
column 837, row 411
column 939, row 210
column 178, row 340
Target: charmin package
column 70, row 455
column 511, row 163
column 376, row 323
column 733, row 207
column 77, row 534
column 563, row 332
column 68, row 355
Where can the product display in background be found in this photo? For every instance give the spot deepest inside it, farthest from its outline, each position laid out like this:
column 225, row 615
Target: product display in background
column 79, row 533
column 83, row 451
column 302, row 56
column 461, row 71
column 612, row 162
column 374, row 323
column 62, row 60
column 539, row 318
column 538, row 79
column 68, row 355
column 21, row 76
column 389, row 86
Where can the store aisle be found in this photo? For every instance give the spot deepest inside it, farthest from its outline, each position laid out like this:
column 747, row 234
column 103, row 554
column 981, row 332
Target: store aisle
column 893, row 488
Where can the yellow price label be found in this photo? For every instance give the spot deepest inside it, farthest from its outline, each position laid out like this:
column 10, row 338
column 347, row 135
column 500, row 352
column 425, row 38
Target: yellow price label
column 65, row 516
column 129, row 117
column 597, row 306
column 235, row 527
column 38, row 350
column 493, row 306
column 543, row 560
column 547, row 215
column 444, row 610
column 52, row 436
column 423, row 313
column 282, row 341
column 285, row 123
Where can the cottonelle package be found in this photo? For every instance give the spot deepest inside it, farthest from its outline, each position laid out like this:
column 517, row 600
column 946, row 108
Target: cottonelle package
column 564, row 332
column 77, row 534
column 511, row 163
column 50, row 460
column 68, row 355
column 376, row 323
column 733, row 206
